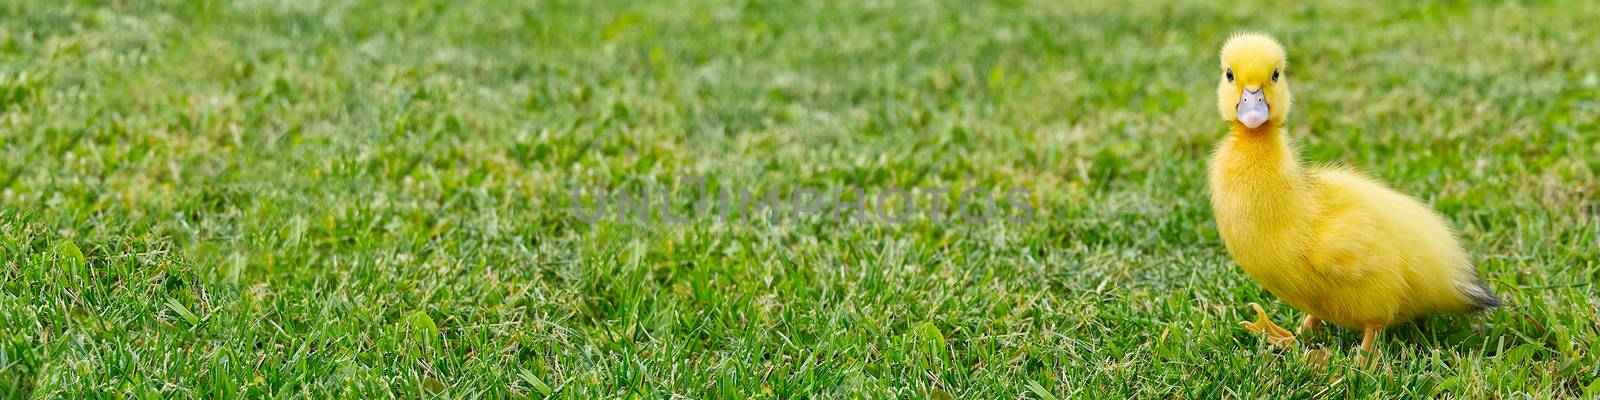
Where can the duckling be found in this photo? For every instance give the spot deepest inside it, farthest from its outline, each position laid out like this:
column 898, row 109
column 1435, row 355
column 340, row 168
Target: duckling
column 1329, row 241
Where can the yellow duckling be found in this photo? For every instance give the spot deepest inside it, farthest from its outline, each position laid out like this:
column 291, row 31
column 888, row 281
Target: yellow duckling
column 1329, row 241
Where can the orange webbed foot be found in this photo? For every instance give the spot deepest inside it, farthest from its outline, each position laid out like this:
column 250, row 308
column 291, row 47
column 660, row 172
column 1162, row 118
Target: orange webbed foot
column 1276, row 335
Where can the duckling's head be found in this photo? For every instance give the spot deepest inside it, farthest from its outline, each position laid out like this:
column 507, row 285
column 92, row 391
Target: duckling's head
column 1253, row 91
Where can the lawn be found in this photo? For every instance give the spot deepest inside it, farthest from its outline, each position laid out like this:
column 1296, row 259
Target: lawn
column 364, row 199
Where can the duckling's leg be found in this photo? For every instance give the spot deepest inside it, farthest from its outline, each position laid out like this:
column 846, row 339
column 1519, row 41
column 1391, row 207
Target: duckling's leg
column 1368, row 340
column 1276, row 335
column 1309, row 325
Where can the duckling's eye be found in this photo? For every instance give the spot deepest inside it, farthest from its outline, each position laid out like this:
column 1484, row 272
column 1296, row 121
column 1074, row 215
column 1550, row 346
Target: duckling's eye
column 1274, row 76
column 1230, row 76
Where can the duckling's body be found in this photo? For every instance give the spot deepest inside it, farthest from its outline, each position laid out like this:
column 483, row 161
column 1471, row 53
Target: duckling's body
column 1333, row 243
column 1329, row 241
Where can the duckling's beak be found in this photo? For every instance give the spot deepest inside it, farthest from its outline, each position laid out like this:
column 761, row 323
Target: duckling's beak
column 1252, row 108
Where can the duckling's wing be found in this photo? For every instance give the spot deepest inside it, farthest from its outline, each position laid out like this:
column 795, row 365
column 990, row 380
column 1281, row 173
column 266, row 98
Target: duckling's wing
column 1350, row 239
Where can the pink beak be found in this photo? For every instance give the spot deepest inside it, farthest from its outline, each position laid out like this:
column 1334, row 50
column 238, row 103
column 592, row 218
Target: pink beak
column 1252, row 108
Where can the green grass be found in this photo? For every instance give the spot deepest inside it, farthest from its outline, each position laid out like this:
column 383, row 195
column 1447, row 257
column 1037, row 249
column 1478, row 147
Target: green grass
column 279, row 198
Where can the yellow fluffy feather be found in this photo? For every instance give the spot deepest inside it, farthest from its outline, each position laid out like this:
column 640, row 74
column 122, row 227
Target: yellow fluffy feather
column 1328, row 241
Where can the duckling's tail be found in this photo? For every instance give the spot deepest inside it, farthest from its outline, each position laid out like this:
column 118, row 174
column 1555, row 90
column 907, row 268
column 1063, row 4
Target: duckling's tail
column 1479, row 294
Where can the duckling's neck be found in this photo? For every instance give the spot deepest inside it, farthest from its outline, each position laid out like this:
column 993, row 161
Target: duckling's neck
column 1258, row 187
column 1263, row 154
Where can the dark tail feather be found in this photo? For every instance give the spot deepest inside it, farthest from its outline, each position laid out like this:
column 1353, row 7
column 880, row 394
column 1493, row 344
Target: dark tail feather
column 1482, row 298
